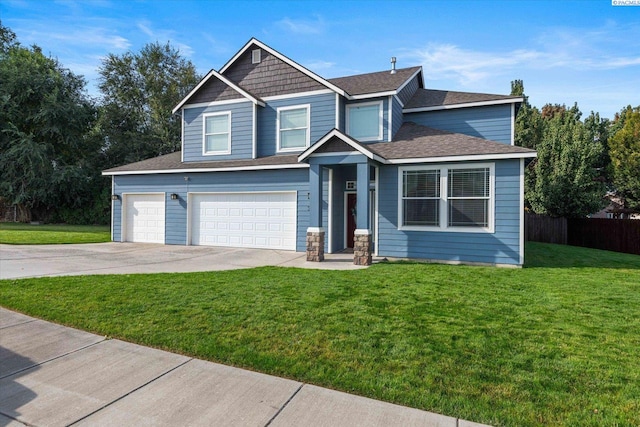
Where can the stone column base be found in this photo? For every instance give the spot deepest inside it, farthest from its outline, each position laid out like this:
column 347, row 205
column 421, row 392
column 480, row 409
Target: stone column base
column 362, row 247
column 315, row 244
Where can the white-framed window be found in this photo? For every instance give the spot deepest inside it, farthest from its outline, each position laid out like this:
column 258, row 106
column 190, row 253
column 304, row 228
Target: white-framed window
column 293, row 127
column 216, row 133
column 364, row 121
column 447, row 198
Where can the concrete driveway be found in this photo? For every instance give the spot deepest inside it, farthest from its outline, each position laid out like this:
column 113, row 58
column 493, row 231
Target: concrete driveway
column 20, row 261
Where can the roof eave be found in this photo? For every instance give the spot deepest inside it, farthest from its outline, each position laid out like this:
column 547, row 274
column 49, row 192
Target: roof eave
column 464, row 158
column 195, row 170
column 463, row 105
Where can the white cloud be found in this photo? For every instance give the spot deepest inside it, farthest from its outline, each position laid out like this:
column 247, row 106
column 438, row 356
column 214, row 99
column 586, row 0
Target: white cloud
column 164, row 36
column 568, row 49
column 302, row 26
column 319, row 65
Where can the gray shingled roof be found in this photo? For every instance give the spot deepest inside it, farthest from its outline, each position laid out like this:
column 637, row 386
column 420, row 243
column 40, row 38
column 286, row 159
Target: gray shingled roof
column 412, row 141
column 381, row 81
column 173, row 162
column 435, row 98
column 415, row 141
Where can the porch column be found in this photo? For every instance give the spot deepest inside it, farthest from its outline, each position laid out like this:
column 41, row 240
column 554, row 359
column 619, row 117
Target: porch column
column 315, row 232
column 362, row 235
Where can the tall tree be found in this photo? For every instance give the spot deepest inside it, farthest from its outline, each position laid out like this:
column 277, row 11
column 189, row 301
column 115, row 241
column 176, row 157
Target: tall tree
column 44, row 116
column 624, row 150
column 562, row 181
column 139, row 91
column 528, row 124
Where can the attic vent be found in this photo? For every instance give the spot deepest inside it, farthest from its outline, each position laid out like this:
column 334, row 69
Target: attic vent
column 255, row 56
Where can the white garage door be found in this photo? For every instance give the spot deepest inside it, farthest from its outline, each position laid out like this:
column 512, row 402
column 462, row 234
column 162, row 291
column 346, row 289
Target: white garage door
column 249, row 220
column 144, row 218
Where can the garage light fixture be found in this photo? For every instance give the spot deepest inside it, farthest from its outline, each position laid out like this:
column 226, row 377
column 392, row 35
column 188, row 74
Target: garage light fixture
column 174, row 196
column 115, row 197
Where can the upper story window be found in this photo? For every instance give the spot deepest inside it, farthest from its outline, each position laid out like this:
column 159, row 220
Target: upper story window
column 447, row 198
column 216, row 133
column 293, row 128
column 364, row 121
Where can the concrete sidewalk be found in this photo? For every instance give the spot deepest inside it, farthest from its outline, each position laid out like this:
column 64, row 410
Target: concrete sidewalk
column 52, row 375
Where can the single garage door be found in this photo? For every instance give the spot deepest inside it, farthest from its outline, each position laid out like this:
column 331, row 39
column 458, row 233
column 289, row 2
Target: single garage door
column 247, row 220
column 144, row 218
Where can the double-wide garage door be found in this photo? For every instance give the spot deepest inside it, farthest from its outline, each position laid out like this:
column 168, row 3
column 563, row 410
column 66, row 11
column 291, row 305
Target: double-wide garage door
column 252, row 220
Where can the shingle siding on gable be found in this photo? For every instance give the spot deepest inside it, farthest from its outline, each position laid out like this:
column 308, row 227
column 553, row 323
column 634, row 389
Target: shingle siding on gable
column 323, row 118
column 214, row 90
column 491, row 122
column 241, row 132
column 270, row 77
column 397, row 117
column 500, row 247
column 407, row 92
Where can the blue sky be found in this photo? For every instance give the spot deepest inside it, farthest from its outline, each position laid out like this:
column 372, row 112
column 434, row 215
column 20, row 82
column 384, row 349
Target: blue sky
column 565, row 51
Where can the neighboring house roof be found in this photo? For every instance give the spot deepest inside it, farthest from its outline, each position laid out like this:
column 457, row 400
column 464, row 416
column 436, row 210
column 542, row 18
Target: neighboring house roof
column 430, row 99
column 172, row 163
column 379, row 82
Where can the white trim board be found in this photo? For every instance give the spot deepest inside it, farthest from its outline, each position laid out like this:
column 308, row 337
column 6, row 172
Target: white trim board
column 195, row 170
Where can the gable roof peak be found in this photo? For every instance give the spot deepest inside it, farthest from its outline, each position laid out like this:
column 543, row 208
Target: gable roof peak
column 287, row 60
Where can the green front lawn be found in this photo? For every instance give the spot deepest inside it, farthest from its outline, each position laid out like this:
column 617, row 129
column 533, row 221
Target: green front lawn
column 556, row 343
column 27, row 234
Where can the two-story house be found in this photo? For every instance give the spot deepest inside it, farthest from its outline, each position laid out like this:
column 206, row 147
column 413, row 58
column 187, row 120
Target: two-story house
column 275, row 156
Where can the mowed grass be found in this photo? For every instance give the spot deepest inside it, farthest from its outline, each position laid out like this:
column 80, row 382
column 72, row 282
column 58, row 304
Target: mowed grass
column 556, row 343
column 46, row 234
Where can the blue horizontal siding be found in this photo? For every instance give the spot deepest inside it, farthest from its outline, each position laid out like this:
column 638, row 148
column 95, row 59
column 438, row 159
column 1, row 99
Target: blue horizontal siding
column 247, row 181
column 323, row 119
column 241, row 132
column 500, row 247
column 492, row 122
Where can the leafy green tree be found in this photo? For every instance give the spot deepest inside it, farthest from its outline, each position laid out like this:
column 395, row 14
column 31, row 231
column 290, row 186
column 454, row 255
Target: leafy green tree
column 139, row 92
column 528, row 124
column 624, row 150
column 562, row 181
column 44, row 117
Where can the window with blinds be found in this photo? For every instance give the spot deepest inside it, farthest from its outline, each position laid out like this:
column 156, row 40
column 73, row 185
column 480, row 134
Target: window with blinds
column 468, row 197
column 446, row 198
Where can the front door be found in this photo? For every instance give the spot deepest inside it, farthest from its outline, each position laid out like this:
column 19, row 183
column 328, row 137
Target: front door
column 350, row 213
column 351, row 218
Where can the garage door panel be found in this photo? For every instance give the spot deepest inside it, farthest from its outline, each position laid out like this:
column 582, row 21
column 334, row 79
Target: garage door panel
column 260, row 220
column 144, row 218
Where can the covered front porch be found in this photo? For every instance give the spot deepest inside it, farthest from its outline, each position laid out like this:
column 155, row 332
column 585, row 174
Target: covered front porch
column 342, row 198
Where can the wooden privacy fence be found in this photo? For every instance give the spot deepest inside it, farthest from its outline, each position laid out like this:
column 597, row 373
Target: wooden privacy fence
column 545, row 229
column 618, row 235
